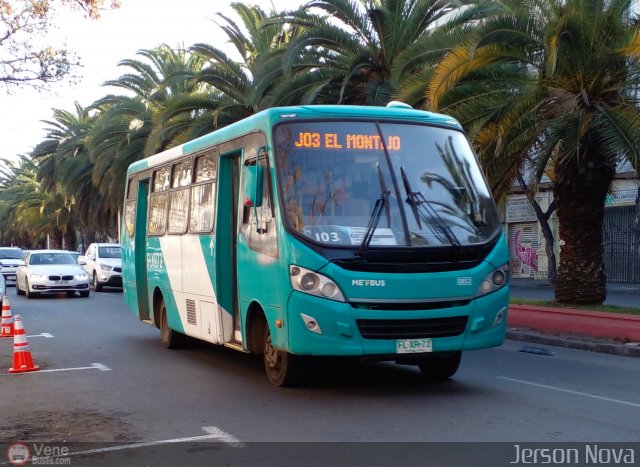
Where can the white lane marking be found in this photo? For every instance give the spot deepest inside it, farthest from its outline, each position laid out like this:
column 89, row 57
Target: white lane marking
column 94, row 366
column 42, row 334
column 101, row 366
column 569, row 391
column 218, row 434
column 213, row 433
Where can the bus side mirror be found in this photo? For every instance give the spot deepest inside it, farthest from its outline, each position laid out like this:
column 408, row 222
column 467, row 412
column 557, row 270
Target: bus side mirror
column 253, row 186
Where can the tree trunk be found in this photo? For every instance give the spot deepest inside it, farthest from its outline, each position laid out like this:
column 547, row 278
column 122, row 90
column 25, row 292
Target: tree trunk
column 70, row 239
column 547, row 233
column 55, row 239
column 580, row 189
column 88, row 237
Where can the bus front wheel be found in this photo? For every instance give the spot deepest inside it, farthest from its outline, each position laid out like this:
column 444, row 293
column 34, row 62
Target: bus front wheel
column 439, row 367
column 282, row 368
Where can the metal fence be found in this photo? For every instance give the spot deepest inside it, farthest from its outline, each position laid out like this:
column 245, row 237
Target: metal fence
column 621, row 245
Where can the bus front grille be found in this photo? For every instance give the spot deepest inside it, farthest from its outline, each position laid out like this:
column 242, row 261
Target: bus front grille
column 411, row 328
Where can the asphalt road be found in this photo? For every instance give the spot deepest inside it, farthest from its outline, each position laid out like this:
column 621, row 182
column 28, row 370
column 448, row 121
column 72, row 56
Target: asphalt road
column 105, row 378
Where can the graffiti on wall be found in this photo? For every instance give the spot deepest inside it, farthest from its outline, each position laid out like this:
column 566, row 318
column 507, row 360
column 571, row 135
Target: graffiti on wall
column 526, row 254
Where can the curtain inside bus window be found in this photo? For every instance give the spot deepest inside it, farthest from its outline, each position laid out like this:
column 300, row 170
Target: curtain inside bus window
column 161, row 179
column 130, row 216
column 178, row 209
column 202, row 211
column 158, row 214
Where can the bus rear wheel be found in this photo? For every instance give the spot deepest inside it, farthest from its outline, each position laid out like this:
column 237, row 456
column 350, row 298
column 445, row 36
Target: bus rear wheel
column 170, row 339
column 440, row 366
column 282, row 368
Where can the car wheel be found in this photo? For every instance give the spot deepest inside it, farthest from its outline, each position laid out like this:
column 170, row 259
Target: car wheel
column 84, row 293
column 439, row 367
column 18, row 289
column 170, row 339
column 282, row 367
column 28, row 291
column 96, row 285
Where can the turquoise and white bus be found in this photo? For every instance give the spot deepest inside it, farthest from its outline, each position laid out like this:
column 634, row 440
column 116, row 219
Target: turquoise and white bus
column 320, row 231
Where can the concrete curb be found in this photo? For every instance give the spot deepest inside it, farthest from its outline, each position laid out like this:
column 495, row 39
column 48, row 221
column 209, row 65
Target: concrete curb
column 575, row 342
column 611, row 333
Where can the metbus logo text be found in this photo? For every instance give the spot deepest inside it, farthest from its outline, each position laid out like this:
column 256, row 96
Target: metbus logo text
column 368, row 283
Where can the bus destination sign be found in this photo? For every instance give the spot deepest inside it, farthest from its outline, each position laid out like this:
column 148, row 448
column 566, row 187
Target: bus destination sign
column 347, row 141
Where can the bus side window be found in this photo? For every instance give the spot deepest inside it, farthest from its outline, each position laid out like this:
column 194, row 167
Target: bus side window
column 130, row 206
column 202, row 203
column 261, row 216
column 258, row 222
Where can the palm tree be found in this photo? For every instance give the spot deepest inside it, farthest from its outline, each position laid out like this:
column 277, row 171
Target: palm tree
column 551, row 84
column 33, row 212
column 127, row 127
column 64, row 167
column 231, row 89
column 11, row 181
column 358, row 52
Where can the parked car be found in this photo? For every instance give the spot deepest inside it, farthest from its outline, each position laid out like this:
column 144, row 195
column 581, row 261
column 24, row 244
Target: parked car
column 104, row 265
column 10, row 259
column 3, row 288
column 48, row 271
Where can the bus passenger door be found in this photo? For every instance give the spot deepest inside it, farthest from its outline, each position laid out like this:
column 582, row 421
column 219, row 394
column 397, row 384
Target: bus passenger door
column 140, row 248
column 226, row 243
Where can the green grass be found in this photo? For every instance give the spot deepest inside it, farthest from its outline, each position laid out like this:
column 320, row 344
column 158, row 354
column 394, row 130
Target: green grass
column 605, row 308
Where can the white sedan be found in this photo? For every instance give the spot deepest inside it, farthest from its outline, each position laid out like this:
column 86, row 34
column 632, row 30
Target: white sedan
column 51, row 271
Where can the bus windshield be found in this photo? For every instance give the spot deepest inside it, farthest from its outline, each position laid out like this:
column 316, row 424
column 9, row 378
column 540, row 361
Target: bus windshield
column 400, row 184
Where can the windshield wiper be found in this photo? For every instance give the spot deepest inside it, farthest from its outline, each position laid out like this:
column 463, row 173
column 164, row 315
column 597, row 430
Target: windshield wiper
column 420, row 206
column 381, row 202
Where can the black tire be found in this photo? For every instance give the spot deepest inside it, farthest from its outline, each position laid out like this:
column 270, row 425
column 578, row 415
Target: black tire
column 440, row 366
column 84, row 293
column 170, row 339
column 71, row 294
column 18, row 290
column 282, row 368
column 96, row 285
column 28, row 292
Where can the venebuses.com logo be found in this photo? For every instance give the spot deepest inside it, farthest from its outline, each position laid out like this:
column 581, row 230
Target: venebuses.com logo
column 18, row 454
column 38, row 454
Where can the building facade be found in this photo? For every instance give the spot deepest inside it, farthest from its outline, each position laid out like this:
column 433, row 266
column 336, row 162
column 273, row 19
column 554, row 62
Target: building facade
column 620, row 237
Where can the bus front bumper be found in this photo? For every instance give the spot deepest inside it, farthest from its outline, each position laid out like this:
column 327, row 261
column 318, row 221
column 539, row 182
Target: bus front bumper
column 340, row 327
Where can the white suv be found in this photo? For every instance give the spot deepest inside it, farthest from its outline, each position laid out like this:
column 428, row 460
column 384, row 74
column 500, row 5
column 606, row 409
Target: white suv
column 104, row 265
column 10, row 259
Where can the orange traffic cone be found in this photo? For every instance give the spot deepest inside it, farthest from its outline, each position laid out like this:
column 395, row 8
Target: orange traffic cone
column 6, row 322
column 22, row 360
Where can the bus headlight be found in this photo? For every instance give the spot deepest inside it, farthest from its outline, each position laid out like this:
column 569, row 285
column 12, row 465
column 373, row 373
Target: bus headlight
column 495, row 280
column 312, row 283
column 309, row 281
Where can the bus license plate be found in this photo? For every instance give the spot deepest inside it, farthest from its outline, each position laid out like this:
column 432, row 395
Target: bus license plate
column 62, row 282
column 414, row 345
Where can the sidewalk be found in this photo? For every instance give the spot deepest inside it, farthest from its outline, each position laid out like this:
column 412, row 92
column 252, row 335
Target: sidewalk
column 613, row 333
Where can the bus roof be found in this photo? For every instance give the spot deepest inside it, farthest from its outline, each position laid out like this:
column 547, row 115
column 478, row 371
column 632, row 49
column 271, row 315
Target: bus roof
column 393, row 111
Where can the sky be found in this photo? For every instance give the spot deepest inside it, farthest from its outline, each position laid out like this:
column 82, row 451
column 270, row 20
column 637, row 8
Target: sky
column 101, row 44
